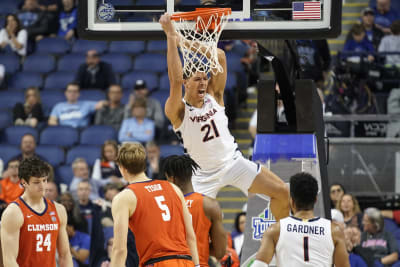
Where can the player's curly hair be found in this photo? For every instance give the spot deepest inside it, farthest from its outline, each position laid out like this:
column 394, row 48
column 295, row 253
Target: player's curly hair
column 180, row 167
column 303, row 190
column 33, row 167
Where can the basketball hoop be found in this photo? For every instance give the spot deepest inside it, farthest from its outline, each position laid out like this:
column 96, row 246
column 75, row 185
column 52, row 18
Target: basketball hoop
column 199, row 33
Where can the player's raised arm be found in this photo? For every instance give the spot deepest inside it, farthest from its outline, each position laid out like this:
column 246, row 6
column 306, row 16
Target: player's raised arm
column 174, row 107
column 11, row 222
column 217, row 82
column 217, row 231
column 64, row 252
column 340, row 256
column 268, row 244
column 121, row 205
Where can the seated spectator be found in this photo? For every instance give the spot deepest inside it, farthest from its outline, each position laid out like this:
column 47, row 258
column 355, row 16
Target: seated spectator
column 383, row 244
column 80, row 244
column 154, row 161
column 80, row 170
column 359, row 43
column 113, row 113
column 73, row 112
column 238, row 234
column 105, row 169
column 373, row 33
column 51, row 191
column 52, row 9
column 352, row 237
column 138, row 128
column 106, row 260
column 350, row 209
column 68, row 20
column 391, row 43
column 10, row 186
column 34, row 20
column 385, row 15
column 29, row 113
column 153, row 106
column 14, row 36
column 74, row 211
column 95, row 73
column 336, row 192
column 28, row 148
column 110, row 191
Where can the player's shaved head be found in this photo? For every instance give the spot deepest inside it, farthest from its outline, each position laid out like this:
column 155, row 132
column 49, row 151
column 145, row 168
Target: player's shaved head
column 303, row 190
column 132, row 157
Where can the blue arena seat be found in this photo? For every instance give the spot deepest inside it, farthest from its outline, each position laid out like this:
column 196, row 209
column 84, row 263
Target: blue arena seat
column 50, row 98
column 53, row 45
column 10, row 62
column 92, row 95
column 150, row 3
column 231, row 80
column 13, row 134
column 168, row 150
column 233, row 62
column 164, row 82
column 161, row 96
column 5, row 119
column 150, row 62
column 190, row 3
column 129, row 47
column 23, row 80
column 9, row 98
column 157, row 46
column 53, row 154
column 41, row 63
column 71, row 62
column 58, row 80
column 97, row 134
column 59, row 136
column 129, row 79
column 8, row 152
column 64, row 174
column 121, row 63
column 82, row 46
column 90, row 153
column 8, row 7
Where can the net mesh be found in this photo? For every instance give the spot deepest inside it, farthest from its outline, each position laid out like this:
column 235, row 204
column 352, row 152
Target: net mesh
column 198, row 43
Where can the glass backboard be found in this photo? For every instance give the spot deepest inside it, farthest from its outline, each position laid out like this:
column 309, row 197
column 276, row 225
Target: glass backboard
column 250, row 19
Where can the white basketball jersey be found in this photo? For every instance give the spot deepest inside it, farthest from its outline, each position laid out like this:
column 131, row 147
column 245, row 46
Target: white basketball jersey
column 205, row 135
column 305, row 243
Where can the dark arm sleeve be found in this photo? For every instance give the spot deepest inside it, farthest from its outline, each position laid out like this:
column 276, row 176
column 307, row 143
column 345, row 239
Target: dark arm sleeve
column 40, row 27
column 19, row 112
column 324, row 53
column 37, row 112
column 393, row 247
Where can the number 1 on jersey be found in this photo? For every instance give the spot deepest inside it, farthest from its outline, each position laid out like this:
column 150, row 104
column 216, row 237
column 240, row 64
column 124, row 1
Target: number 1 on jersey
column 305, row 246
column 166, row 215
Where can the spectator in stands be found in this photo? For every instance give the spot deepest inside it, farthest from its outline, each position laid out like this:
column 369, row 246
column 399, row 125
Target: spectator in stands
column 80, row 169
column 113, row 113
column 153, row 106
column 51, row 191
column 95, row 73
column 34, row 20
column 352, row 240
column 74, row 211
column 105, row 170
column 373, row 33
column 28, row 148
column 138, row 128
column 359, row 43
column 68, row 20
column 80, row 244
column 14, row 36
column 348, row 205
column 110, row 191
column 154, row 161
column 385, row 15
column 29, row 113
column 238, row 234
column 10, row 186
column 106, row 260
column 52, row 9
column 336, row 192
column 73, row 112
column 391, row 43
column 383, row 244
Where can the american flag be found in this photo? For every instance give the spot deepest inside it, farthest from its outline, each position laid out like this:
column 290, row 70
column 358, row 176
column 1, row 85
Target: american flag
column 306, row 10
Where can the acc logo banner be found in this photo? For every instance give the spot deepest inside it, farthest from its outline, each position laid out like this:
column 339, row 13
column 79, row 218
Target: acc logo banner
column 106, row 12
column 261, row 223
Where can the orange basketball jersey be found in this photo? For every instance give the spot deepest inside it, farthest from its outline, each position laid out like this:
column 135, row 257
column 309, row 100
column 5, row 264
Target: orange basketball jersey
column 157, row 222
column 201, row 225
column 38, row 235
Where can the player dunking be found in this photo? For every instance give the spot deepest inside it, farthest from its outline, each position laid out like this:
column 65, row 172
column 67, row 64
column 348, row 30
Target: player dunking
column 200, row 121
column 156, row 213
column 32, row 227
column 205, row 211
column 303, row 239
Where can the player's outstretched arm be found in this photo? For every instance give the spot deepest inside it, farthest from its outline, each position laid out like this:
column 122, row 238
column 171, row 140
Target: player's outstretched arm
column 11, row 223
column 217, row 231
column 123, row 205
column 174, row 106
column 64, row 253
column 340, row 256
column 190, row 235
column 217, row 82
column 268, row 244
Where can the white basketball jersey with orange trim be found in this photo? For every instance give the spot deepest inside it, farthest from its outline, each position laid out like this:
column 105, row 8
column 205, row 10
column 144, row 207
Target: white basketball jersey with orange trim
column 205, row 135
column 305, row 243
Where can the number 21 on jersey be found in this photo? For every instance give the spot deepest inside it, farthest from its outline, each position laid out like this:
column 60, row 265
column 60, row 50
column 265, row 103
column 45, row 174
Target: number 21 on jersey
column 166, row 215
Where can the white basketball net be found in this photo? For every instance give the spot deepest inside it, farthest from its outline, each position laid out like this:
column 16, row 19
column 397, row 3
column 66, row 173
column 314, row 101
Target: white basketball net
column 198, row 43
